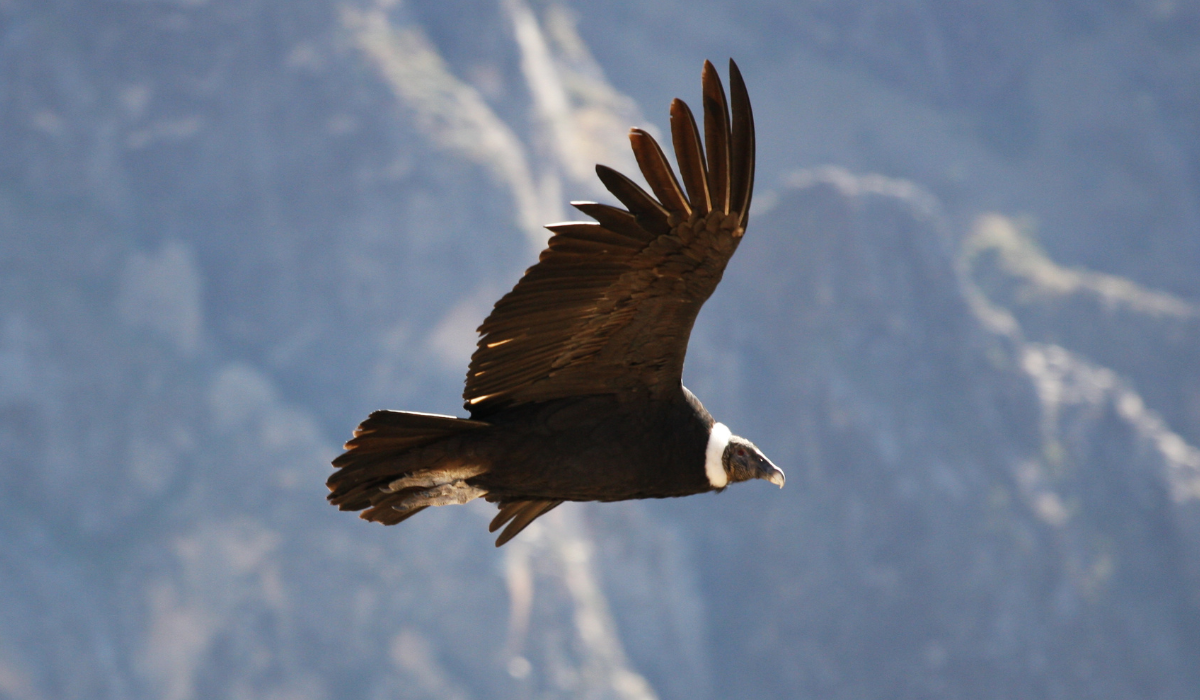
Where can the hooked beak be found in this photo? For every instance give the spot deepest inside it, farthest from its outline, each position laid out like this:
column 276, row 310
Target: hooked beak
column 771, row 473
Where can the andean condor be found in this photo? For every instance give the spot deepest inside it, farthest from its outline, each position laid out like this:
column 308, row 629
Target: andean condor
column 575, row 390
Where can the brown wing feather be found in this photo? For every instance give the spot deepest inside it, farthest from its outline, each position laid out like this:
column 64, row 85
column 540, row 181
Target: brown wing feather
column 741, row 179
column 521, row 514
column 649, row 214
column 609, row 306
column 690, row 153
column 716, row 137
column 657, row 171
column 615, row 220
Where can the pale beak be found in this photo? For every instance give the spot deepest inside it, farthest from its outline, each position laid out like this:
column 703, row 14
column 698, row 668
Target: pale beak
column 771, row 473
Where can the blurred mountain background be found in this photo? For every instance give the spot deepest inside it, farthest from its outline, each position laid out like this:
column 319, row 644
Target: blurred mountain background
column 966, row 322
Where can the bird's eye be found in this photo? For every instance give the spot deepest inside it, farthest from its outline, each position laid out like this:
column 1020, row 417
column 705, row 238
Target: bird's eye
column 741, row 452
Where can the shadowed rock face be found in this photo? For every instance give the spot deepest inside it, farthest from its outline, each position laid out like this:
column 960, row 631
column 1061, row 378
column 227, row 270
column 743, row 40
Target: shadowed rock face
column 974, row 514
column 228, row 230
column 1145, row 335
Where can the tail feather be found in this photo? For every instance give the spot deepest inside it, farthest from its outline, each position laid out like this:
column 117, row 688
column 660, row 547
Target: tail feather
column 390, row 431
column 376, row 457
column 387, row 515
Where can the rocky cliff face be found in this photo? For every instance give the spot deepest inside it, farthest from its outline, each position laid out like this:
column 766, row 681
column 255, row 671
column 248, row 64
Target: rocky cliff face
column 228, row 230
column 975, row 513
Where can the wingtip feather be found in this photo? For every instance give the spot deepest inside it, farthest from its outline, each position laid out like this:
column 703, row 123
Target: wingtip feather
column 716, row 137
column 658, row 172
column 689, row 154
column 742, row 171
column 649, row 213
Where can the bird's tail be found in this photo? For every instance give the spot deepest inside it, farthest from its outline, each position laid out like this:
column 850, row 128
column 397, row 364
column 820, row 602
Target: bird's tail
column 386, row 470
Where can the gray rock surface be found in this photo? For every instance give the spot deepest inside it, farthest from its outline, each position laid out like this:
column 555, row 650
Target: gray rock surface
column 975, row 514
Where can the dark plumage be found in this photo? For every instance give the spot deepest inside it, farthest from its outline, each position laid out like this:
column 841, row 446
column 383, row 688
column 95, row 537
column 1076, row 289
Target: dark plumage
column 575, row 390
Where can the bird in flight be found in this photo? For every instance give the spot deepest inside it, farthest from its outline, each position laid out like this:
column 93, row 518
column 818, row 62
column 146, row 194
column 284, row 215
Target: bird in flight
column 575, row 391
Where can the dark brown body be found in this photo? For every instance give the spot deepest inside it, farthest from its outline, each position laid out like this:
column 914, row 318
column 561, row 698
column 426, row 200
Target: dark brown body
column 589, row 448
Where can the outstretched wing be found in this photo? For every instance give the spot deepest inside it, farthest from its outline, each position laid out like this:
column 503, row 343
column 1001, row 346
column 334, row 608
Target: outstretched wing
column 609, row 306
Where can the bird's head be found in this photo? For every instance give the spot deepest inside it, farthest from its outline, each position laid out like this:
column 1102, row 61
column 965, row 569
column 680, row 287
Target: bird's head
column 743, row 462
column 739, row 459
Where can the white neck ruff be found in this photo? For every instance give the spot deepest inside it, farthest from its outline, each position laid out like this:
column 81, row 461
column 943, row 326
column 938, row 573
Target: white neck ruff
column 718, row 440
